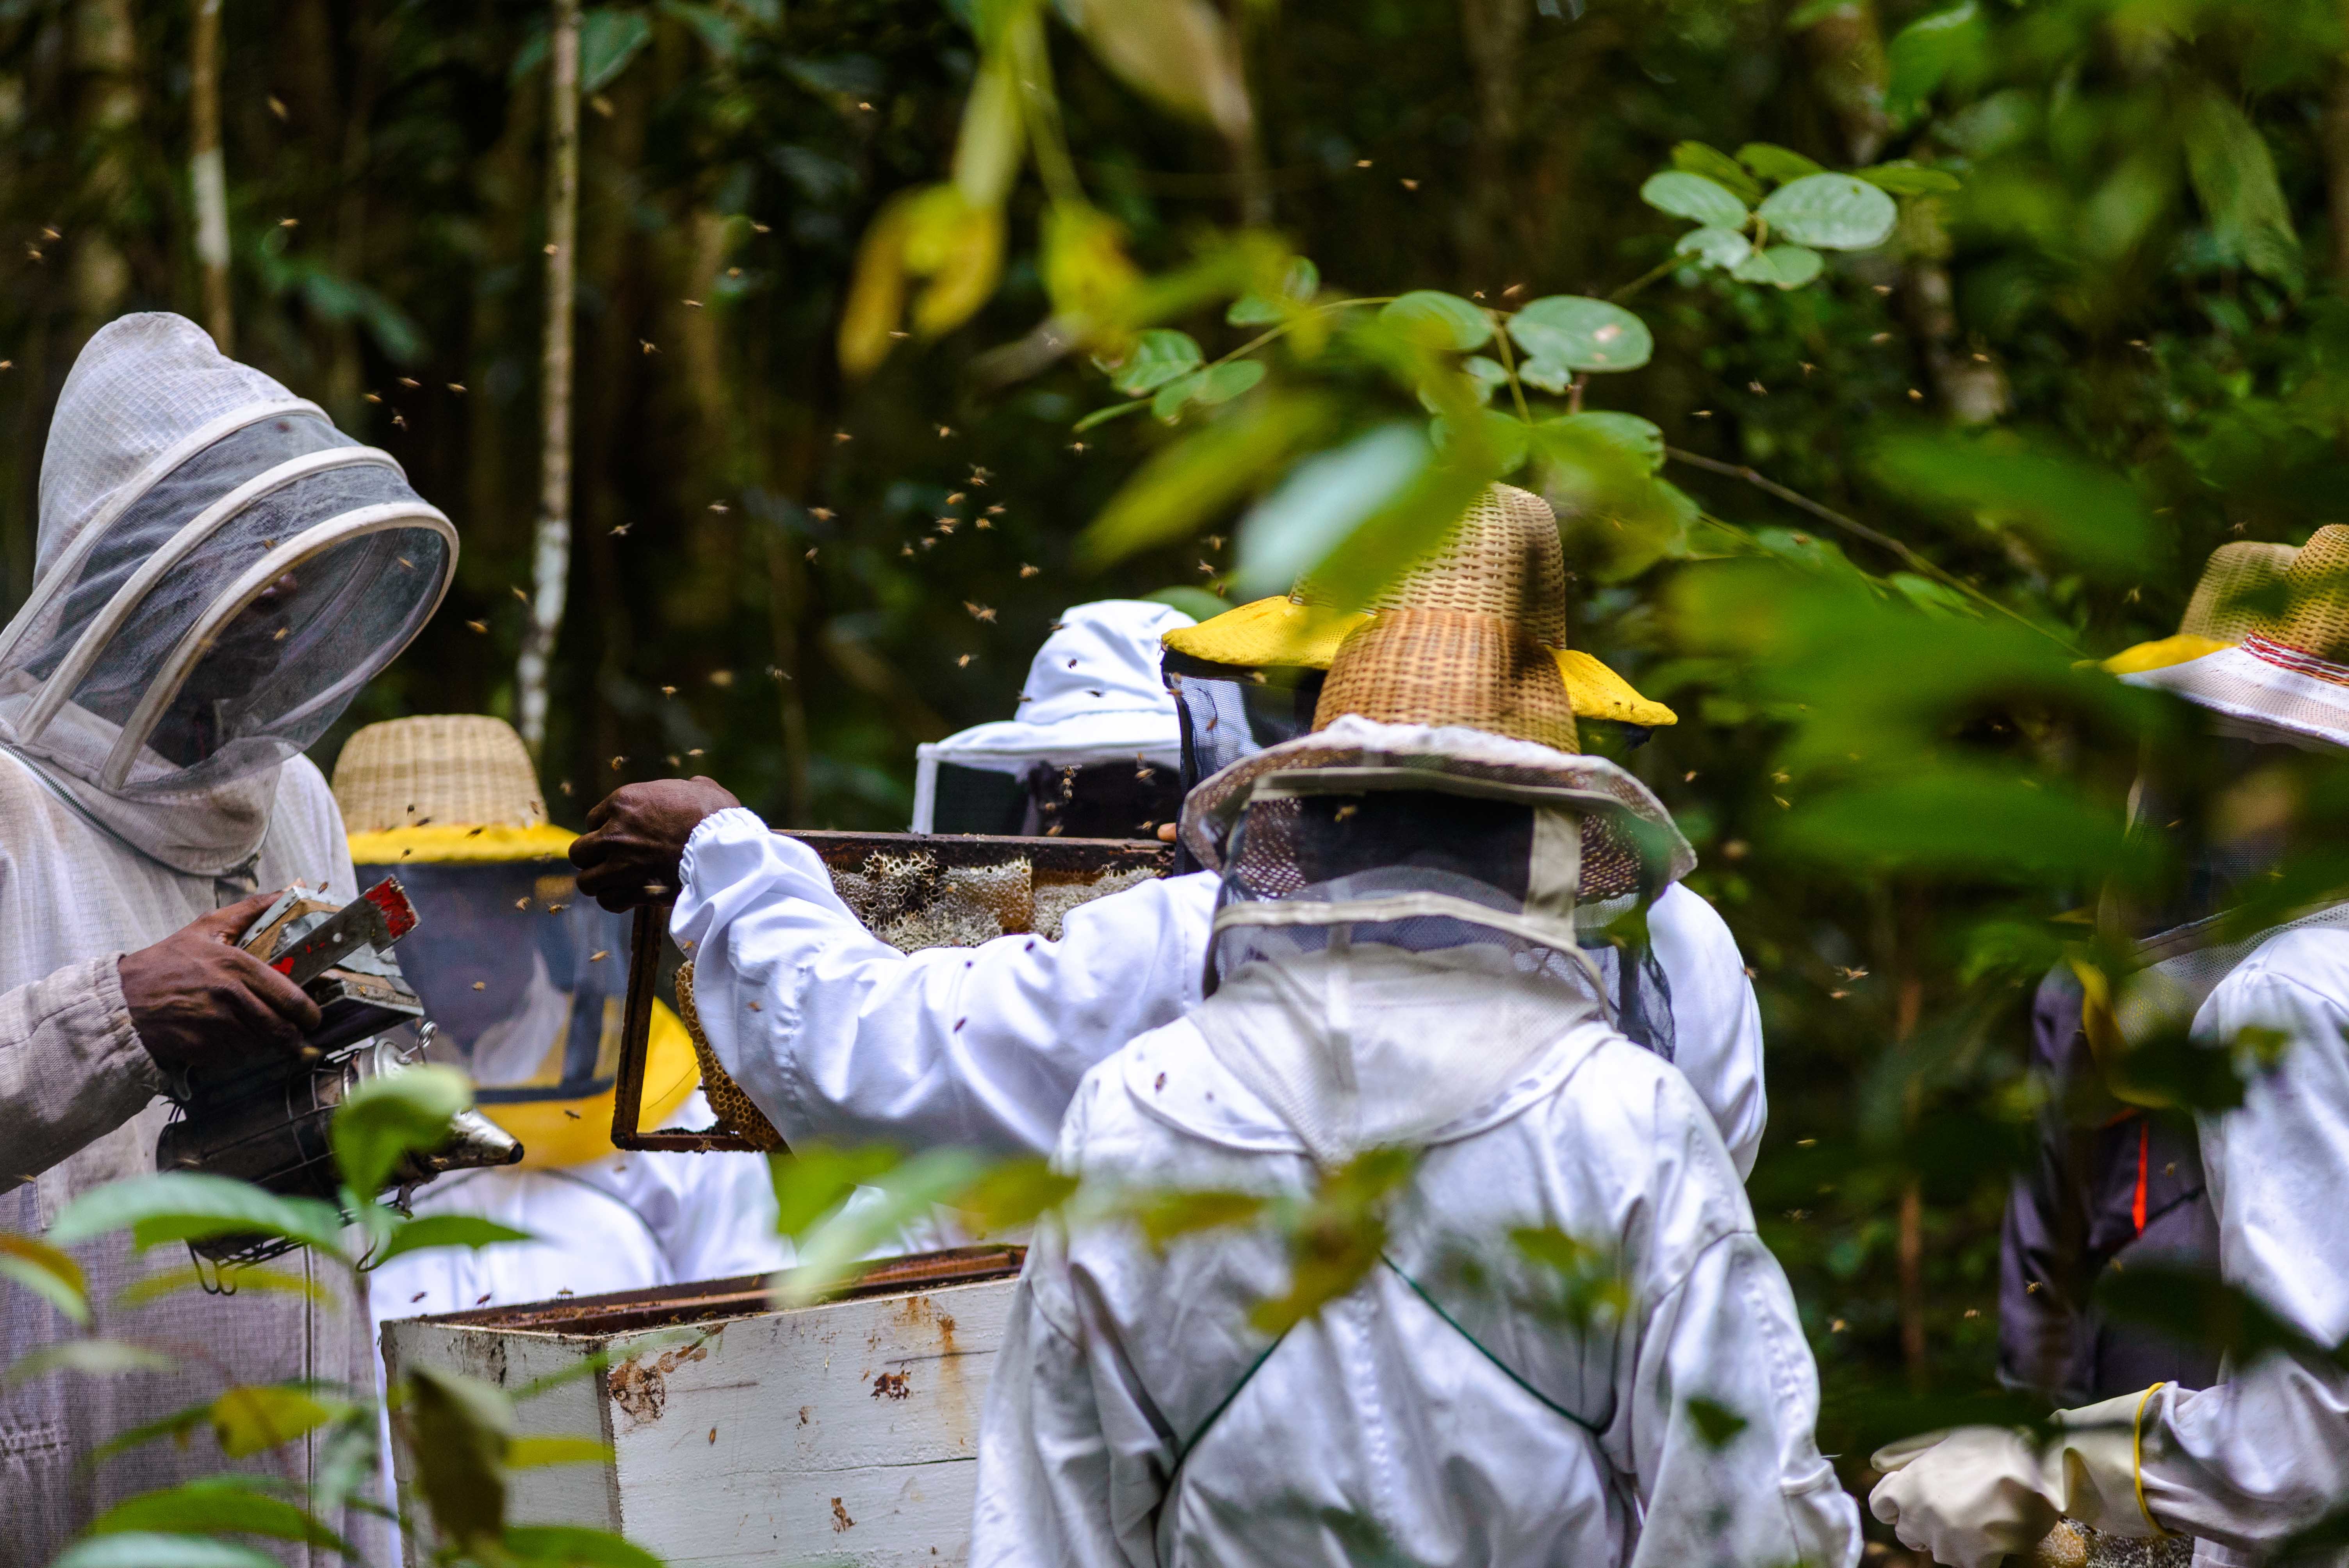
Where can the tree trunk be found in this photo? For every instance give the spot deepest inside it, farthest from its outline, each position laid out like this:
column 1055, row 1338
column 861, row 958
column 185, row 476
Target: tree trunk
column 207, row 175
column 1849, row 69
column 1494, row 34
column 1911, row 1005
column 106, row 53
column 551, row 553
column 2336, row 142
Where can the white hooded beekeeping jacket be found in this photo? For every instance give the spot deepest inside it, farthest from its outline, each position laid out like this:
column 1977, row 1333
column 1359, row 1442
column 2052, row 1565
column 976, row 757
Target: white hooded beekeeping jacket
column 151, row 774
column 851, row 1040
column 2246, row 1465
column 1136, row 1417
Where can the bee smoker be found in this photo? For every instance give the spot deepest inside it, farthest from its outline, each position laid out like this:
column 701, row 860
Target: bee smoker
column 264, row 1119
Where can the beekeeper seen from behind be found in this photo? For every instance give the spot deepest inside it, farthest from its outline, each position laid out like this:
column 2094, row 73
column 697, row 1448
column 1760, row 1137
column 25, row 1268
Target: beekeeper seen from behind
column 840, row 1037
column 2238, row 1470
column 220, row 570
column 525, row 982
column 1395, row 975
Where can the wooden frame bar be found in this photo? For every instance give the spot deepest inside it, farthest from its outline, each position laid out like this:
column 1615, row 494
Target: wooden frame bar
column 1049, row 860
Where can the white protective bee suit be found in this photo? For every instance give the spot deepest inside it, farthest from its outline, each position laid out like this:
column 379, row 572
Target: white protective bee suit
column 1452, row 1406
column 219, row 570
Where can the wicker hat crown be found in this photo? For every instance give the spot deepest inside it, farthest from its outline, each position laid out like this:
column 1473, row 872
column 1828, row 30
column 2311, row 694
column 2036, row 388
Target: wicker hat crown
column 449, row 770
column 1469, row 636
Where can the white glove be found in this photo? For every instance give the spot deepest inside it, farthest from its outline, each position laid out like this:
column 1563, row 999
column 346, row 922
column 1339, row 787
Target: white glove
column 1968, row 1497
column 1977, row 1494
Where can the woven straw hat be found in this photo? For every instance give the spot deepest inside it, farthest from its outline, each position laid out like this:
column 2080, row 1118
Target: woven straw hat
column 458, row 790
column 424, row 785
column 1503, row 559
column 1469, row 637
column 2265, row 638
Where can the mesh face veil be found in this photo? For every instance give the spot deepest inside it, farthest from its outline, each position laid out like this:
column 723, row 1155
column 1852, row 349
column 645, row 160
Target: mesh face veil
column 220, row 570
column 1395, row 939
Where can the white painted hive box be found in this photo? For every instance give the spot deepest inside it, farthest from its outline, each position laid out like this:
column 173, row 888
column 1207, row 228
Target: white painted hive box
column 844, row 1433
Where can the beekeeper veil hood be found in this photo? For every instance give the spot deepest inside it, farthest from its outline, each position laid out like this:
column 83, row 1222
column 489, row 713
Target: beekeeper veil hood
column 220, row 572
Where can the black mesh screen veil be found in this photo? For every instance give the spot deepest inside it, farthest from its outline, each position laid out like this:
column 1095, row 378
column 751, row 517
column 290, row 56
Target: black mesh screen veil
column 523, row 979
column 1361, row 849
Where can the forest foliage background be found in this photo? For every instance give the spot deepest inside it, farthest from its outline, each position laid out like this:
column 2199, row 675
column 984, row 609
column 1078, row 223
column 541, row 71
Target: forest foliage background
column 2117, row 343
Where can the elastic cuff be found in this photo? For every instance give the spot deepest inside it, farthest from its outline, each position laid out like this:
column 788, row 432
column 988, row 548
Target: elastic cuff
column 733, row 819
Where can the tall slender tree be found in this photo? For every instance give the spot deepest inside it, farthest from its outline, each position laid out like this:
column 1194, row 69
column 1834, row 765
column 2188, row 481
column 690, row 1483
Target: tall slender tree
column 208, row 176
column 551, row 551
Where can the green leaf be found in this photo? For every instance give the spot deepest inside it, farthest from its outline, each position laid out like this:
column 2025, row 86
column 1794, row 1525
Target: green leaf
column 1297, row 290
column 1339, row 1238
column 2191, row 1307
column 153, row 1549
column 1439, row 320
column 387, row 1117
column 1323, row 501
column 1183, row 487
column 2234, row 178
column 1013, row 1194
column 1716, row 1425
column 814, row 1180
column 574, row 1546
column 1831, row 212
column 1717, row 166
column 1778, row 165
column 1581, row 333
column 1715, row 247
column 447, row 1231
column 1903, row 177
column 609, row 38
column 2085, row 513
column 1781, row 266
column 716, row 29
column 1218, row 384
column 91, row 1357
column 1158, row 357
column 1177, row 51
column 907, row 1192
column 1489, row 374
column 1507, row 440
column 214, row 1504
column 1164, row 1215
column 46, row 1272
column 1103, row 415
column 459, row 1428
column 533, row 1453
column 254, row 1418
column 1638, row 439
column 1224, row 382
column 988, row 150
column 1549, row 375
column 257, row 1281
column 1961, row 821
column 1694, row 197
column 1945, row 46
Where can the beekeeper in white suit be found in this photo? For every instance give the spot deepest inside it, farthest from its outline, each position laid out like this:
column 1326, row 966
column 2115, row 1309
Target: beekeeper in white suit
column 1094, row 751
column 2244, row 1466
column 525, row 982
column 219, row 570
column 1395, row 966
column 853, row 1040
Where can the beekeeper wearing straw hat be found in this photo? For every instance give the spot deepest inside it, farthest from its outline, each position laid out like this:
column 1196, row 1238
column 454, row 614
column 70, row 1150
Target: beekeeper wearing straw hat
column 1092, row 751
column 2244, row 1466
column 219, row 570
column 839, row 1037
column 1396, row 964
column 524, row 981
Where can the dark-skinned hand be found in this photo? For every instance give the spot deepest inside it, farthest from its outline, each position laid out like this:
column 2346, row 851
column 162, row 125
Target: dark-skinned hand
column 197, row 998
column 636, row 837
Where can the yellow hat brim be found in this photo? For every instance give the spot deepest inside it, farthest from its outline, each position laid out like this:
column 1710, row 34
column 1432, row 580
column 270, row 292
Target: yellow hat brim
column 1282, row 633
column 2161, row 654
column 452, row 843
column 553, row 1139
column 1269, row 634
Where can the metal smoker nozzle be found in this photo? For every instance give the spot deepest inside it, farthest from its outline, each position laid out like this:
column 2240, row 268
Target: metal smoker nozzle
column 474, row 1141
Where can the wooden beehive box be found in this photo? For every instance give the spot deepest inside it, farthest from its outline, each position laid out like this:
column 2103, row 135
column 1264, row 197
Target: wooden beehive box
column 845, row 1433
